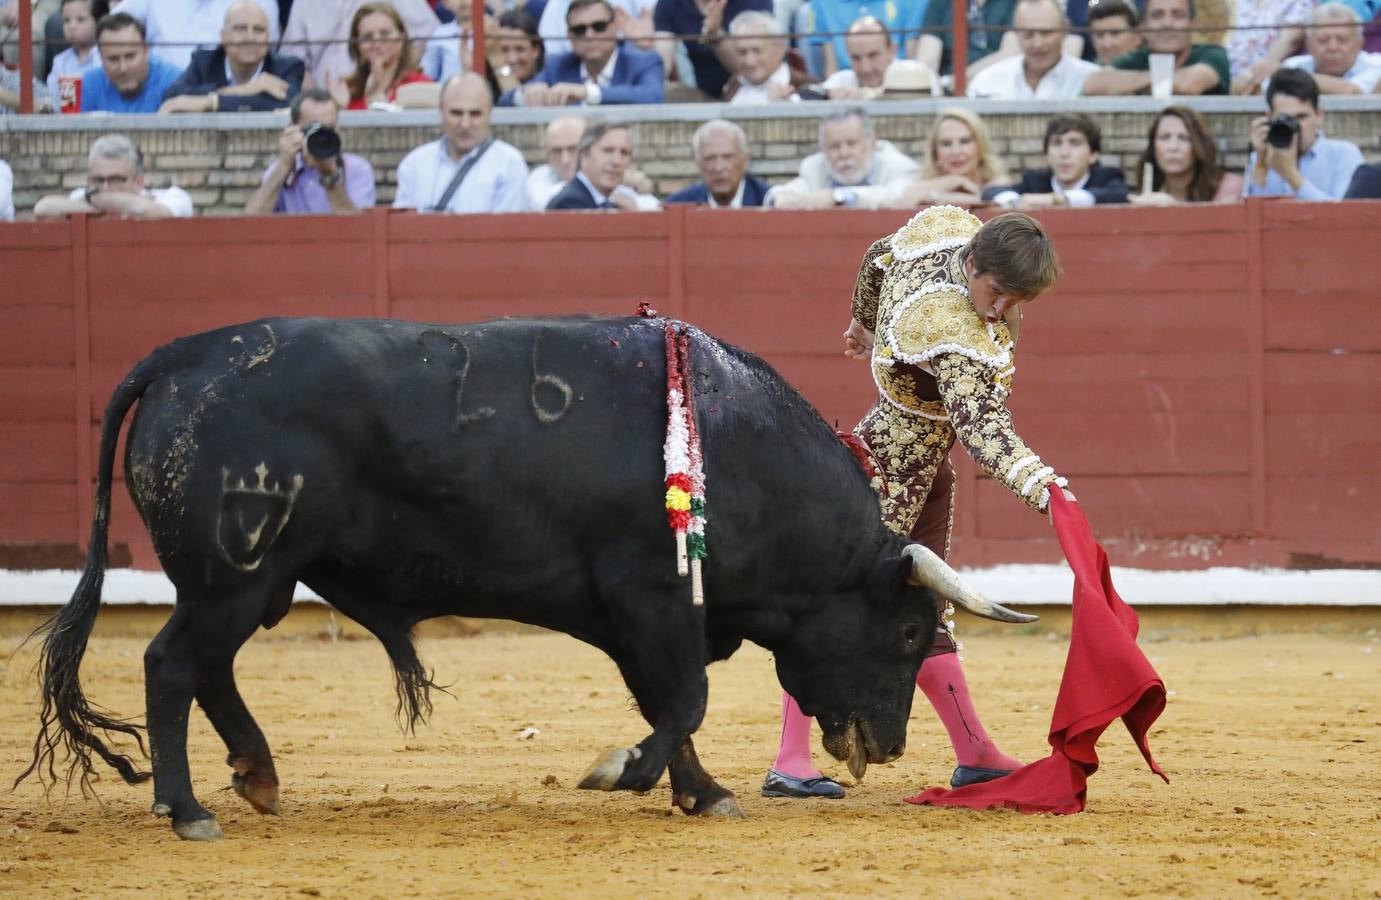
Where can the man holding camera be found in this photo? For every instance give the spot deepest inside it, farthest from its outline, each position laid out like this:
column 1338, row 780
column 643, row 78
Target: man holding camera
column 311, row 175
column 1290, row 156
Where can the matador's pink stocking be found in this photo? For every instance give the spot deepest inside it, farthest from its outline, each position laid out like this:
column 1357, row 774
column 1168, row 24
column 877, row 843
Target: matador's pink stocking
column 942, row 681
column 793, row 757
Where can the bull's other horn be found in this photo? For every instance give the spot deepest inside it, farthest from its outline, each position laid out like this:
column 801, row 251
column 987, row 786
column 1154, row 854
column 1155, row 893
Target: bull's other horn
column 929, row 570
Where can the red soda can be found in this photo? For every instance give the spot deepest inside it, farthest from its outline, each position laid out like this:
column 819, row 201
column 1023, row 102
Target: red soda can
column 70, row 93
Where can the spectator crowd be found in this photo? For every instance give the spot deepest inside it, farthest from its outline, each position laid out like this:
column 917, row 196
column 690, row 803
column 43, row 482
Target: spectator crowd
column 315, row 58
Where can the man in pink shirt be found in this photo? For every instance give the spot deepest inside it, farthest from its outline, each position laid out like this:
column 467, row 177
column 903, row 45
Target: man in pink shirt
column 319, row 33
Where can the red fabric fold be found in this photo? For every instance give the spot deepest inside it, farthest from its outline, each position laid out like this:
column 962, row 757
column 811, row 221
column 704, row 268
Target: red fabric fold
column 1106, row 676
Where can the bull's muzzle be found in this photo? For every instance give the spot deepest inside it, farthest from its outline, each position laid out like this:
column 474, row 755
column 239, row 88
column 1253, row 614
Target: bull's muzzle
column 929, row 570
column 856, row 746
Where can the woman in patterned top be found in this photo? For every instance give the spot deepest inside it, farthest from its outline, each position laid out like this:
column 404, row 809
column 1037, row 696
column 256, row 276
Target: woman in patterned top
column 943, row 296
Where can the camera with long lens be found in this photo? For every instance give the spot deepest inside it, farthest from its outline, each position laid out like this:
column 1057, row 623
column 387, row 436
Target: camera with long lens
column 322, row 140
column 1281, row 131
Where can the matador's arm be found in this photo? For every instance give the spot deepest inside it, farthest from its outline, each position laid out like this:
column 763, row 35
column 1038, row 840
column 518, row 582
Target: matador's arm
column 869, row 284
column 980, row 418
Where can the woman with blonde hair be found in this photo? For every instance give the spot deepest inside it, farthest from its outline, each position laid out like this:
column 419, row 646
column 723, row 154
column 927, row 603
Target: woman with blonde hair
column 1183, row 163
column 383, row 55
column 959, row 164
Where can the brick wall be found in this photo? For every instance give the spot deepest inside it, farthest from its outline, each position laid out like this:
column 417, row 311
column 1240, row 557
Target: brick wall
column 219, row 159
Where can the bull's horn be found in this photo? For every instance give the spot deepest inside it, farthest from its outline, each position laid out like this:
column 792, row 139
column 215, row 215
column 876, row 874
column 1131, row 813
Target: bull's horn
column 929, row 570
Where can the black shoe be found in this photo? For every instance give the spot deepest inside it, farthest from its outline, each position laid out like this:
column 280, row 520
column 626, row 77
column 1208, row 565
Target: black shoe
column 966, row 775
column 779, row 784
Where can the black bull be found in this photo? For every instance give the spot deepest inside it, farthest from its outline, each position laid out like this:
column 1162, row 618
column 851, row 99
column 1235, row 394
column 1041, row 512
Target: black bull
column 510, row 470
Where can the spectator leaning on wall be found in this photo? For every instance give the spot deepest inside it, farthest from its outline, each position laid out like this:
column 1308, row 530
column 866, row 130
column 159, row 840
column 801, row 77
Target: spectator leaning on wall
column 700, row 24
column 721, row 154
column 1290, row 156
column 299, row 181
column 79, row 31
column 599, row 70
column 605, row 152
column 241, row 74
column 560, row 145
column 763, row 72
column 467, row 170
column 1074, row 176
column 1042, row 71
column 1334, row 54
column 128, row 80
column 115, row 185
column 177, row 27
column 852, row 169
column 1167, row 28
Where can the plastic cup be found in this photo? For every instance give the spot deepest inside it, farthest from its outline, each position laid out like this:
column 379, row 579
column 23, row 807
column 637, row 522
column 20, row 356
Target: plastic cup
column 1162, row 75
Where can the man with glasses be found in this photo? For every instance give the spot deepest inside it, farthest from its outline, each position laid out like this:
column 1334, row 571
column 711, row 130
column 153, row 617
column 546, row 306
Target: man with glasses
column 115, row 185
column 600, row 70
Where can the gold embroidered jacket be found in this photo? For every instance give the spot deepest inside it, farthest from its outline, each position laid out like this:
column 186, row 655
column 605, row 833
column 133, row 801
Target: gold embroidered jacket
column 912, row 292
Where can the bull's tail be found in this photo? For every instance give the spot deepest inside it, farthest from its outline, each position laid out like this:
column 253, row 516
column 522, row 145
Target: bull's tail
column 68, row 721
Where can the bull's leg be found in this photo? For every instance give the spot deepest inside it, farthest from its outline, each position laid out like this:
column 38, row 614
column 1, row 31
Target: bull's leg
column 201, row 637
column 254, row 778
column 694, row 791
column 666, row 673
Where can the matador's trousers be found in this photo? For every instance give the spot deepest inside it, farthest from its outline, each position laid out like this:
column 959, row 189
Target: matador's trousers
column 916, row 486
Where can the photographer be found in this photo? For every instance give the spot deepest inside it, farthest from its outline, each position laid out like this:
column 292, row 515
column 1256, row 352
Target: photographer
column 311, row 175
column 1290, row 156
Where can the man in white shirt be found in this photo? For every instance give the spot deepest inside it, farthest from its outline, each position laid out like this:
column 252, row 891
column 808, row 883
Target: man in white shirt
column 871, row 54
column 6, row 193
column 174, row 28
column 853, row 169
column 467, row 171
column 762, row 73
column 115, row 185
column 1041, row 71
column 1335, row 56
column 559, row 144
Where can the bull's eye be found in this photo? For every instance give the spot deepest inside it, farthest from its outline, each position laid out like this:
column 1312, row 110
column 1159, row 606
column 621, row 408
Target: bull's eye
column 911, row 632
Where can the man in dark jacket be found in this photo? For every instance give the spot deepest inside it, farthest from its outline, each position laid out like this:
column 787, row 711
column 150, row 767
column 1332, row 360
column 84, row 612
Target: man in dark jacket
column 600, row 70
column 605, row 150
column 240, row 74
column 1074, row 177
column 721, row 152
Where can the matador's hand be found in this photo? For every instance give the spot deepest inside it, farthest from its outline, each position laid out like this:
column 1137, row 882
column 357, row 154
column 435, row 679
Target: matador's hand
column 858, row 341
column 1069, row 495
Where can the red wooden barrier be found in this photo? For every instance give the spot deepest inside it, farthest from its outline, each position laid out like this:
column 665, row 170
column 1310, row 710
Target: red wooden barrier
column 1205, row 377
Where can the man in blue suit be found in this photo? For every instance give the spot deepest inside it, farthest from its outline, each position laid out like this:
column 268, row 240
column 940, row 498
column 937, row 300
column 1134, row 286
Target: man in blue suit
column 241, row 74
column 600, row 70
column 721, row 152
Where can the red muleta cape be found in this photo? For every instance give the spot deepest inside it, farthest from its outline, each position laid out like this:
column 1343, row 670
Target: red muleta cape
column 1106, row 676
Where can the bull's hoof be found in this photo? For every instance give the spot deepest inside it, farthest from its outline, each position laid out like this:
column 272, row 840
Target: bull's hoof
column 199, row 830
column 725, row 807
column 608, row 769
column 262, row 795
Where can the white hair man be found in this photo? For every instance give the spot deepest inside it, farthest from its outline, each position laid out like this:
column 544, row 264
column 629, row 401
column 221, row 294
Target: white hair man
column 115, row 185
column 853, row 169
column 721, row 153
column 1041, row 71
column 761, row 73
column 1334, row 54
column 560, row 145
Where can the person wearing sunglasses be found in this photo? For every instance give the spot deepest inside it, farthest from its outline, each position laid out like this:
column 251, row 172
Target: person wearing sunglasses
column 600, row 70
column 115, row 185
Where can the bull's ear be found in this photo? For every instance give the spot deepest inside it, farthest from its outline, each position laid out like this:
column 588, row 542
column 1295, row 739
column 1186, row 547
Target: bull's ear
column 890, row 573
